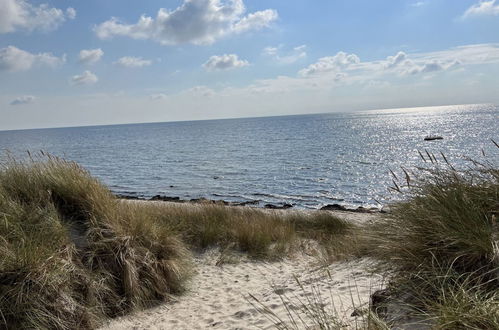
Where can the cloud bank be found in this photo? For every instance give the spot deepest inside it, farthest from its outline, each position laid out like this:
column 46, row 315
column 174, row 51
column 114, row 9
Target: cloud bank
column 14, row 59
column 198, row 22
column 21, row 15
column 482, row 8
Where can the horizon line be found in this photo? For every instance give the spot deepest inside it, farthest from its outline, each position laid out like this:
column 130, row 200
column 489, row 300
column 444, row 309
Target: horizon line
column 244, row 117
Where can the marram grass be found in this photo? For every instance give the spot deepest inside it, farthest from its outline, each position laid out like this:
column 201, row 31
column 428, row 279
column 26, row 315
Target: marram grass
column 70, row 256
column 261, row 234
column 442, row 247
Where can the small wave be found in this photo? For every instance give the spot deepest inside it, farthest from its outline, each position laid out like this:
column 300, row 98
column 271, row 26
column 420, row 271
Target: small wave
column 228, row 195
column 287, row 197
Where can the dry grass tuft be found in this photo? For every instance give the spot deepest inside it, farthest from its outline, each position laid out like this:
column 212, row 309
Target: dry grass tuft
column 71, row 255
column 442, row 247
column 262, row 234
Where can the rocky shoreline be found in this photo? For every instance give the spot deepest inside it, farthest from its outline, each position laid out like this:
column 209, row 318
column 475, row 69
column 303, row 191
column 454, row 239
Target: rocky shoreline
column 254, row 203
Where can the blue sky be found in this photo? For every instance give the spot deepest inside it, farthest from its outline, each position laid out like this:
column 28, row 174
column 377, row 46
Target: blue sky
column 72, row 63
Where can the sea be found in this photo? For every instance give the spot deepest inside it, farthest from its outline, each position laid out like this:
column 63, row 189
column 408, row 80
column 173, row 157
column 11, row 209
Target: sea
column 307, row 161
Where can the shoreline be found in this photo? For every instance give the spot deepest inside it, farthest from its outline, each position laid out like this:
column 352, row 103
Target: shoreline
column 255, row 204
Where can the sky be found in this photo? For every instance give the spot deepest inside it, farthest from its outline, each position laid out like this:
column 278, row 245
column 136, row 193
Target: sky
column 93, row 62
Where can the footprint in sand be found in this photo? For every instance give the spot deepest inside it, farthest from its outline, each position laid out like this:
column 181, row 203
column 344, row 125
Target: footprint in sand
column 241, row 314
column 282, row 290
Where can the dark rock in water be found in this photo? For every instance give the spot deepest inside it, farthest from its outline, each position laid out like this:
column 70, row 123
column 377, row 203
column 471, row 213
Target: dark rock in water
column 333, row 207
column 338, row 207
column 128, row 197
column 203, row 200
column 278, row 207
column 244, row 203
column 165, row 198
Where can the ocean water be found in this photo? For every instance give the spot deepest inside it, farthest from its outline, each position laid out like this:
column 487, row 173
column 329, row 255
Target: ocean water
column 307, row 160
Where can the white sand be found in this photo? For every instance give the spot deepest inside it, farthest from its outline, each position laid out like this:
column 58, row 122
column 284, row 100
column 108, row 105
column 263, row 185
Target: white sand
column 218, row 296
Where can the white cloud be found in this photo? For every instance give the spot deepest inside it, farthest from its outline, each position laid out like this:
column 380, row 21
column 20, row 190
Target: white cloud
column 419, row 63
column 345, row 69
column 197, row 22
column 256, row 20
column 133, row 62
column 482, row 8
column 158, row 97
column 15, row 59
column 271, row 51
column 21, row 15
column 337, row 62
column 86, row 78
column 71, row 13
column 90, row 56
column 430, row 66
column 469, row 54
column 25, row 99
column 393, row 61
column 224, row 62
column 286, row 57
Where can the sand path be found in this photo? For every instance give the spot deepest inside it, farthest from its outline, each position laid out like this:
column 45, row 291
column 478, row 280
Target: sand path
column 218, row 296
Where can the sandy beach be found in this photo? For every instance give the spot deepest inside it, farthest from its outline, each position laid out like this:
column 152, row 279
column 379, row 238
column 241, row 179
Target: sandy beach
column 219, row 296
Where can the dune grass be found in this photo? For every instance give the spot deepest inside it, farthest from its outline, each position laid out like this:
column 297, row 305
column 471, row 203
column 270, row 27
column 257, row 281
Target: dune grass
column 72, row 254
column 260, row 234
column 442, row 246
